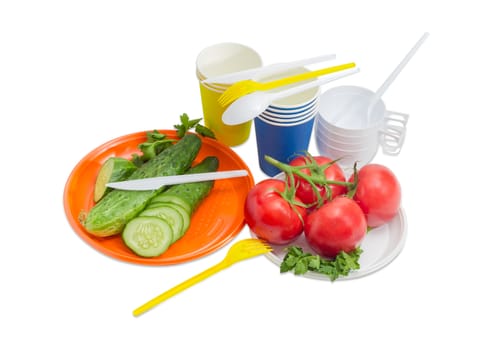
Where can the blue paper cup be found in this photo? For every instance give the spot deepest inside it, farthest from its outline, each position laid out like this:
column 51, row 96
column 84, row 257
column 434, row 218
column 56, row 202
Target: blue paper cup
column 285, row 111
column 283, row 142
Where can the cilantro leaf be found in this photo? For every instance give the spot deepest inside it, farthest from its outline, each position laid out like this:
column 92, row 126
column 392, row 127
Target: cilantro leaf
column 183, row 127
column 151, row 149
column 188, row 124
column 205, row 131
column 301, row 267
column 155, row 143
column 155, row 135
column 300, row 262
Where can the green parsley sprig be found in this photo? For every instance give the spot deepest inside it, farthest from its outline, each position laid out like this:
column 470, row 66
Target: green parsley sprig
column 301, row 262
column 188, row 124
column 156, row 142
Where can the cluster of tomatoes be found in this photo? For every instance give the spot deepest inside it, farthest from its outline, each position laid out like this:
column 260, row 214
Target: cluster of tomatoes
column 316, row 199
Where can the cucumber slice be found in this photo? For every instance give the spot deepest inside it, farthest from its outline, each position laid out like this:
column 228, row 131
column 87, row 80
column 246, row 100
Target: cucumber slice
column 186, row 217
column 163, row 198
column 169, row 214
column 148, row 236
column 113, row 169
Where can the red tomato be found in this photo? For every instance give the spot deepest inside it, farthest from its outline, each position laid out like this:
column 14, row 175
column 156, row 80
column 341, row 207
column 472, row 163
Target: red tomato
column 339, row 225
column 333, row 173
column 272, row 217
column 378, row 193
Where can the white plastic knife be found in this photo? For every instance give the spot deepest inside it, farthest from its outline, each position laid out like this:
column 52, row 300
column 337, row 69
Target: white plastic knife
column 232, row 78
column 154, row 183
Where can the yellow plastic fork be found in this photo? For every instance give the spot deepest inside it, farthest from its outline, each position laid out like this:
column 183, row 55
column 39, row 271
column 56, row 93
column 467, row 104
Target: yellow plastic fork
column 241, row 250
column 245, row 87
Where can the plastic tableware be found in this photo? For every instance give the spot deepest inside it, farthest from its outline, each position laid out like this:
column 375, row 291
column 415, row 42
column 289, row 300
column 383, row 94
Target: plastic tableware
column 254, row 73
column 380, row 247
column 249, row 106
column 384, row 87
column 347, row 158
column 245, row 87
column 322, row 131
column 241, row 250
column 342, row 144
column 361, row 145
column 351, row 99
column 154, row 183
column 214, row 224
column 394, row 127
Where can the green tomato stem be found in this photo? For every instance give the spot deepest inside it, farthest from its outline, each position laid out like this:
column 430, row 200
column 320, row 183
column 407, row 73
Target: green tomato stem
column 315, row 178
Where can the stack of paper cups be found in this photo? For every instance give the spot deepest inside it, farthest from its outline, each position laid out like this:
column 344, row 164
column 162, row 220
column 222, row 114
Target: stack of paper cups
column 284, row 129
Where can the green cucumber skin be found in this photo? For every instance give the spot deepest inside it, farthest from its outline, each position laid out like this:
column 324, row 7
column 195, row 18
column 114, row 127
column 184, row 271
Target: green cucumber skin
column 110, row 215
column 193, row 193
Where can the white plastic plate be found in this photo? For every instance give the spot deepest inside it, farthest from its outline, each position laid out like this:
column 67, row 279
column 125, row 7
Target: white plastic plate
column 380, row 247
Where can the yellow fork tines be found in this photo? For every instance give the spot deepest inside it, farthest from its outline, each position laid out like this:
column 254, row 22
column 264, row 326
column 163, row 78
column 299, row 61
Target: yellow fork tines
column 245, row 87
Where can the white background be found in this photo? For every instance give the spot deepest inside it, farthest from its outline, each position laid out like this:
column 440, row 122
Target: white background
column 75, row 74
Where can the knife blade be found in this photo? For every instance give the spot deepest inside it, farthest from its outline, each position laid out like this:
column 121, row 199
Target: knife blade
column 154, row 183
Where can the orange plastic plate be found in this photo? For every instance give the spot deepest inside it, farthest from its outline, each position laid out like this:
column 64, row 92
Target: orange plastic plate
column 215, row 223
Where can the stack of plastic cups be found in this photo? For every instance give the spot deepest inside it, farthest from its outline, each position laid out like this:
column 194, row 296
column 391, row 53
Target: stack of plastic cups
column 284, row 129
column 214, row 61
column 349, row 129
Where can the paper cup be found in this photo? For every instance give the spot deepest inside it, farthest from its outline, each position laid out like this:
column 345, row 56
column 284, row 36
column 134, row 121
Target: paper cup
column 312, row 109
column 292, row 109
column 288, row 121
column 280, row 141
column 217, row 60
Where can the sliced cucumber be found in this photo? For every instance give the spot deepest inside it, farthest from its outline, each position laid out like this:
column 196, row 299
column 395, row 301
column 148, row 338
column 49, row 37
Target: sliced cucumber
column 113, row 169
column 148, row 236
column 186, row 217
column 163, row 198
column 169, row 214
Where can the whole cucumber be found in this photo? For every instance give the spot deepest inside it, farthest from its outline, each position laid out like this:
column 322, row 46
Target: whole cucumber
column 110, row 215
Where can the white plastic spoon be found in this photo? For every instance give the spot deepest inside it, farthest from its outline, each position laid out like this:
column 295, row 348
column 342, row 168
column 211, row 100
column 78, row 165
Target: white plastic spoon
column 379, row 93
column 250, row 106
